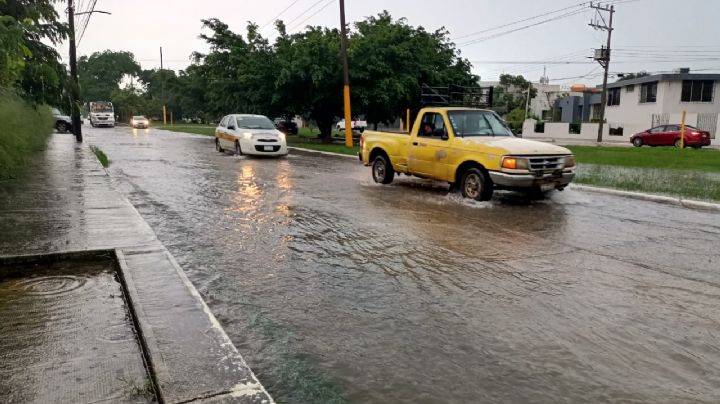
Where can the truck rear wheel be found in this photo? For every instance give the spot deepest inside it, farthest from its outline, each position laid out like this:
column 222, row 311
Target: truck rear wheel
column 476, row 185
column 382, row 170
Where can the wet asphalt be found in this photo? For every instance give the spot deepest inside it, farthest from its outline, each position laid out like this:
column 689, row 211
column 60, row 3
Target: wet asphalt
column 337, row 289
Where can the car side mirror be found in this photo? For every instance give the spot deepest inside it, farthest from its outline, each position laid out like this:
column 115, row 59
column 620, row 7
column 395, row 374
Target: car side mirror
column 231, row 127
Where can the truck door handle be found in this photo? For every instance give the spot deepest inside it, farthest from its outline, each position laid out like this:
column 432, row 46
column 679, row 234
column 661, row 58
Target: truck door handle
column 414, row 143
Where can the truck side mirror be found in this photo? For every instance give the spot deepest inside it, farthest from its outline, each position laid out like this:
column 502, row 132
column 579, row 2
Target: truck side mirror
column 445, row 136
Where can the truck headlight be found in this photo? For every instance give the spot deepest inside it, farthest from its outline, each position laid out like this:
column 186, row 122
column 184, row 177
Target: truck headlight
column 570, row 161
column 514, row 163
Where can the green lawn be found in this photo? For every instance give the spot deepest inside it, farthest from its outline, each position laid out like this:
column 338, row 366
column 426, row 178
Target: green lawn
column 707, row 160
column 687, row 173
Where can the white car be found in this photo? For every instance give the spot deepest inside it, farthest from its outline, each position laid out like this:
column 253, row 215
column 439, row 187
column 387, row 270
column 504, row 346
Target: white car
column 139, row 121
column 250, row 134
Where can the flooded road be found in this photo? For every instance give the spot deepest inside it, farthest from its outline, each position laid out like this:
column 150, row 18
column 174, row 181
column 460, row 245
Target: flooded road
column 336, row 289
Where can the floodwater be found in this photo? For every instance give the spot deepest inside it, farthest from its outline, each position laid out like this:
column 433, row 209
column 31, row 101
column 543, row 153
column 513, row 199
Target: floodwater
column 337, row 289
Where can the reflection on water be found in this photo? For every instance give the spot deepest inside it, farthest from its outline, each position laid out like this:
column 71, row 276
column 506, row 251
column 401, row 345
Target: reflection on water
column 333, row 286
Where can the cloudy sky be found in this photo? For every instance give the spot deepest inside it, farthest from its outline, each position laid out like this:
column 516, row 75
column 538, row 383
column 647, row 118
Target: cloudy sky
column 650, row 35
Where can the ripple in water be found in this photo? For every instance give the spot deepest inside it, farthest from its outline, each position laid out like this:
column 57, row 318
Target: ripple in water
column 50, row 285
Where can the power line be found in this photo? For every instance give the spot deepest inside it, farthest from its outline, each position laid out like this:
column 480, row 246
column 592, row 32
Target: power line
column 87, row 21
column 313, row 14
column 307, row 10
column 520, row 21
column 279, row 14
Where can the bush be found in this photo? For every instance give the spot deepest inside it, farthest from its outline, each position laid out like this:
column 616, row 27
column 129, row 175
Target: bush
column 24, row 130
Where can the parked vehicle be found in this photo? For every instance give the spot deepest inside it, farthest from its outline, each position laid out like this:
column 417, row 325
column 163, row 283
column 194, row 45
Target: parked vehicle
column 286, row 127
column 250, row 134
column 63, row 123
column 102, row 114
column 669, row 135
column 471, row 149
column 139, row 121
column 357, row 126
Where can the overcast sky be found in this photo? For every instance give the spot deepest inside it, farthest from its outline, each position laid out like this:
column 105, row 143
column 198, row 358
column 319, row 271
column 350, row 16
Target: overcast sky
column 651, row 35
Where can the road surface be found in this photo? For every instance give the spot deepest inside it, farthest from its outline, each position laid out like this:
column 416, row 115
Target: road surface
column 337, row 289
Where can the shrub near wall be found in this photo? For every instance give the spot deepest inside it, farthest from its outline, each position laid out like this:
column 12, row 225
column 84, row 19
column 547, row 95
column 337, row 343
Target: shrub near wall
column 24, row 130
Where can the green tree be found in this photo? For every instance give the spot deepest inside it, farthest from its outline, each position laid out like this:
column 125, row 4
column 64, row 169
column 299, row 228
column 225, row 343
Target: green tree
column 391, row 60
column 26, row 61
column 512, row 93
column 101, row 73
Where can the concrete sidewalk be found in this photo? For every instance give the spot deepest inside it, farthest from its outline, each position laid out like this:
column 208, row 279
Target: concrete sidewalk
column 64, row 204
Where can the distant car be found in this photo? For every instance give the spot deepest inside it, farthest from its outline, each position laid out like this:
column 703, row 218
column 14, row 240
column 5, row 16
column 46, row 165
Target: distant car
column 140, row 121
column 63, row 123
column 669, row 135
column 250, row 134
column 286, row 127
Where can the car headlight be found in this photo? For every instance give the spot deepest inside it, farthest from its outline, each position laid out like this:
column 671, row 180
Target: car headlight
column 247, row 135
column 570, row 161
column 281, row 136
column 514, row 163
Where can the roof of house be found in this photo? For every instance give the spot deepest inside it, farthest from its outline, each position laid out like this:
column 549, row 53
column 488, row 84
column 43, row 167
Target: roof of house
column 665, row 77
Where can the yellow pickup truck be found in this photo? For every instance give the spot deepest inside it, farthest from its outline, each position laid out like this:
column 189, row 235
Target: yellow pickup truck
column 472, row 149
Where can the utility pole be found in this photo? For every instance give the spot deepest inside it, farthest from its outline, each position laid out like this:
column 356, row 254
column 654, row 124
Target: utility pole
column 162, row 89
column 346, row 76
column 602, row 56
column 527, row 101
column 75, row 86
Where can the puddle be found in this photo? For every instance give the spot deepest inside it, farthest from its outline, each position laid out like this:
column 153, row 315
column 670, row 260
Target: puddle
column 66, row 335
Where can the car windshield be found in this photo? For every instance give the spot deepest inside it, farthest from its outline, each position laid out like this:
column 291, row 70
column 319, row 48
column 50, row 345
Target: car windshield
column 139, row 117
column 477, row 123
column 253, row 122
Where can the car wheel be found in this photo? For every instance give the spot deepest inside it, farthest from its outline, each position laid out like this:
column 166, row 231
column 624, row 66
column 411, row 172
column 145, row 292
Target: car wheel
column 382, row 170
column 678, row 143
column 61, row 127
column 92, row 124
column 476, row 185
column 238, row 149
column 637, row 142
column 217, row 146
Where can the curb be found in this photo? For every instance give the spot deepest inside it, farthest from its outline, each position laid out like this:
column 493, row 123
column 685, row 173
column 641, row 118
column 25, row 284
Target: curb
column 668, row 200
column 322, row 152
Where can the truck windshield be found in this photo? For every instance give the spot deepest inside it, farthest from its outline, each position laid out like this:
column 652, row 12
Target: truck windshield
column 101, row 107
column 477, row 123
column 254, row 122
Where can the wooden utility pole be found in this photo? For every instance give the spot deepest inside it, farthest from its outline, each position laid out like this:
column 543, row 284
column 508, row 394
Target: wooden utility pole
column 346, row 76
column 162, row 89
column 602, row 55
column 75, row 86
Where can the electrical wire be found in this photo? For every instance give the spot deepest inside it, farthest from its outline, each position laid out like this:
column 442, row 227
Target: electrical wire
column 312, row 15
column 87, row 21
column 279, row 14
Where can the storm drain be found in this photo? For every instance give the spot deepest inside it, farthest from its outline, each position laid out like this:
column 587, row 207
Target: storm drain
column 66, row 334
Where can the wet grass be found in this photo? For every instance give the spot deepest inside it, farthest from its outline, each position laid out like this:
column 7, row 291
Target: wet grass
column 24, row 131
column 101, row 156
column 693, row 184
column 707, row 160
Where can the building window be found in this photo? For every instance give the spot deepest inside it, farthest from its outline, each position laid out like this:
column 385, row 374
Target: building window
column 613, row 97
column 630, row 88
column 648, row 92
column 697, row 91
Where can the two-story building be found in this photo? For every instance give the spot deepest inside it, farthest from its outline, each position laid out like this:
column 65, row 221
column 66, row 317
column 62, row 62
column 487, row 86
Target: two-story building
column 660, row 99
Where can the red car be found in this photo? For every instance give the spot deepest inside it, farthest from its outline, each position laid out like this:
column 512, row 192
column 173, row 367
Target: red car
column 669, row 135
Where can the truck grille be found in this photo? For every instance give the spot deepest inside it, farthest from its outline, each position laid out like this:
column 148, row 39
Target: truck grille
column 546, row 163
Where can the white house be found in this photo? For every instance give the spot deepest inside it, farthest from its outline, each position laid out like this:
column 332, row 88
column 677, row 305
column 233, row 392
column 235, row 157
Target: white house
column 639, row 104
column 660, row 99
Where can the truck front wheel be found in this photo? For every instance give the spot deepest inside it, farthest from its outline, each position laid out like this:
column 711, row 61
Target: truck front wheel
column 382, row 170
column 476, row 185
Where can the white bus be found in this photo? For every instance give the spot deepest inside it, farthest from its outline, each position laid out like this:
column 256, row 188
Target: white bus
column 102, row 114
